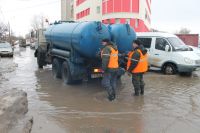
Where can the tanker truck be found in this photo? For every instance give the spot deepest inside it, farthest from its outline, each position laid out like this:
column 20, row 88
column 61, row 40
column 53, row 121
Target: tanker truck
column 72, row 47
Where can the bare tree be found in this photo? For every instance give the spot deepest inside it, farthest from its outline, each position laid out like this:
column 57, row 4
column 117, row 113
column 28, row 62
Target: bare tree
column 184, row 31
column 6, row 34
column 3, row 30
column 37, row 22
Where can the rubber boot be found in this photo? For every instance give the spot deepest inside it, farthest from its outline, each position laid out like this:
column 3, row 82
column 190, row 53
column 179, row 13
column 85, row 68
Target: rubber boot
column 136, row 92
column 142, row 90
column 111, row 95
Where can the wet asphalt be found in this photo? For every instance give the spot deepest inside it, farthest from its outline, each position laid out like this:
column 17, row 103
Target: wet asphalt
column 171, row 103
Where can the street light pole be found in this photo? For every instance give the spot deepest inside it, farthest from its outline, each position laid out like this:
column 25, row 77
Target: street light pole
column 9, row 32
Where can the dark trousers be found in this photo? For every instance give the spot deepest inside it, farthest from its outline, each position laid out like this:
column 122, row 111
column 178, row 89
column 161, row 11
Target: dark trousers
column 138, row 83
column 109, row 82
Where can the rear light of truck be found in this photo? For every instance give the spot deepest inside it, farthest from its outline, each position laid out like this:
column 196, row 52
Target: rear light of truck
column 97, row 70
column 96, row 73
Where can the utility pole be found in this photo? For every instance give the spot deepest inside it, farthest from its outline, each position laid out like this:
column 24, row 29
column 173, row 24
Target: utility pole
column 42, row 24
column 9, row 32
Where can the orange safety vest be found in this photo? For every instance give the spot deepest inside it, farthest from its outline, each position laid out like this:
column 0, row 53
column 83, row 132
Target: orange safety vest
column 142, row 65
column 113, row 61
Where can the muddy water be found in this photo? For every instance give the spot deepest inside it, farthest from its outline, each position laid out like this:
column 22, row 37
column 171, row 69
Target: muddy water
column 171, row 104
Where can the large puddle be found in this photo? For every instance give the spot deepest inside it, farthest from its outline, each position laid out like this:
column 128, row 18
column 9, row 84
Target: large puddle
column 171, row 104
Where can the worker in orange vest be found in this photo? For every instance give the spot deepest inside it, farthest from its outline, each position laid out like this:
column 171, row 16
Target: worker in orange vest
column 137, row 65
column 110, row 66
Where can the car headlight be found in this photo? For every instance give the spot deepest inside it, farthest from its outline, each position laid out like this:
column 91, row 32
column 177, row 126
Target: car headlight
column 188, row 60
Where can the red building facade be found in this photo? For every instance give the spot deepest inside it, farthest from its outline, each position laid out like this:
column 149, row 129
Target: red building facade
column 135, row 12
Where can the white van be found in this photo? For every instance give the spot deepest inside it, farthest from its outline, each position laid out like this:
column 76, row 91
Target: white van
column 196, row 50
column 168, row 52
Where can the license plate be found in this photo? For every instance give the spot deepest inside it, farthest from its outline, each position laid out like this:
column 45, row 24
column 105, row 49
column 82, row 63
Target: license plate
column 96, row 76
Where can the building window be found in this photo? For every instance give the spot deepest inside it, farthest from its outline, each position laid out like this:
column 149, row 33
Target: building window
column 72, row 11
column 135, row 6
column 98, row 9
column 117, row 21
column 136, row 23
column 78, row 2
column 112, row 21
column 109, row 6
column 83, row 13
column 147, row 16
column 108, row 21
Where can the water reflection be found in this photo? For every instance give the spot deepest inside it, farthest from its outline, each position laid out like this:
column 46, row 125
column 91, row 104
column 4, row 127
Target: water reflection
column 170, row 104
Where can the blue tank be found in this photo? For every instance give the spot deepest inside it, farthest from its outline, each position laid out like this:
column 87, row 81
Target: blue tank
column 123, row 35
column 83, row 37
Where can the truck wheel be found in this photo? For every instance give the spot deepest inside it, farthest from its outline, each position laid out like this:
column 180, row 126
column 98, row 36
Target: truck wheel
column 56, row 68
column 66, row 74
column 40, row 59
column 169, row 69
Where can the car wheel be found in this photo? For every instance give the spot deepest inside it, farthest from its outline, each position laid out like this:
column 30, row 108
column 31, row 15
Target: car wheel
column 39, row 60
column 56, row 68
column 169, row 69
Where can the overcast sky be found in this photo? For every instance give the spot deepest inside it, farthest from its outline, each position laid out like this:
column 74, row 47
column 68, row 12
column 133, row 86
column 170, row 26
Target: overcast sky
column 21, row 12
column 171, row 15
column 167, row 15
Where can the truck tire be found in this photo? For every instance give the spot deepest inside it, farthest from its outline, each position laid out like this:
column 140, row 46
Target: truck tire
column 11, row 55
column 40, row 59
column 169, row 69
column 66, row 73
column 56, row 68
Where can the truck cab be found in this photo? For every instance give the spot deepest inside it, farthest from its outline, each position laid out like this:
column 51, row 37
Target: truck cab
column 41, row 48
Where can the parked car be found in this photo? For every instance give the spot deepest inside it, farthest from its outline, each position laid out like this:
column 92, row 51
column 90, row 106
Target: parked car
column 22, row 43
column 168, row 52
column 16, row 42
column 6, row 49
column 28, row 42
column 33, row 45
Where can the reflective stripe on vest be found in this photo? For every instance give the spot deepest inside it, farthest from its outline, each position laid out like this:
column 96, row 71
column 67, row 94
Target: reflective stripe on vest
column 142, row 65
column 113, row 61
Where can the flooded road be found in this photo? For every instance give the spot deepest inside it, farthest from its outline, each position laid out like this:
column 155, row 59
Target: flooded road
column 171, row 104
